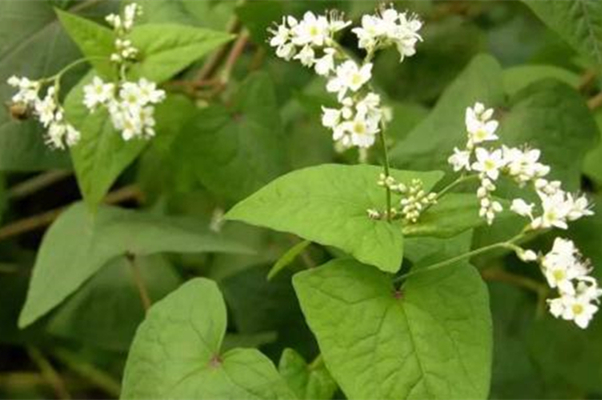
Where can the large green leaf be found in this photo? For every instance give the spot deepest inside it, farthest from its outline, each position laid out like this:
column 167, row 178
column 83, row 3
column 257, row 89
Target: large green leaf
column 578, row 22
column 106, row 310
column 237, row 150
column 177, row 353
column 431, row 339
column 307, row 381
column 78, row 244
column 327, row 205
column 430, row 144
column 32, row 44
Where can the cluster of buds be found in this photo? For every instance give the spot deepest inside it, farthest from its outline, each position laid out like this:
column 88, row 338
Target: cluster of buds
column 312, row 41
column 122, row 26
column 522, row 166
column 414, row 200
column 130, row 105
column 47, row 110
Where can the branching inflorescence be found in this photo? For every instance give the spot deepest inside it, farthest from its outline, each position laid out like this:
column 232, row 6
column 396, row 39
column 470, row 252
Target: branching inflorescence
column 129, row 104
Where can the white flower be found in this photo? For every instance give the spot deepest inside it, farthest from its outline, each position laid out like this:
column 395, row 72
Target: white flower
column 460, row 160
column 488, row 163
column 97, row 92
column 330, row 117
column 363, row 131
column 349, row 76
column 311, row 30
column 578, row 309
column 555, row 211
column 286, row 51
column 149, row 93
column 480, row 128
column 45, row 109
column 307, row 56
column 522, row 208
column 28, row 90
column 562, row 265
column 523, row 165
column 325, row 64
column 579, row 207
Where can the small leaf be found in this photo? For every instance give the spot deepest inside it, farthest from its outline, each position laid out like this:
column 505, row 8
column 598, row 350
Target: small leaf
column 78, row 244
column 429, row 340
column 287, row 258
column 95, row 41
column 166, row 49
column 177, row 353
column 309, row 382
column 327, row 204
column 237, row 150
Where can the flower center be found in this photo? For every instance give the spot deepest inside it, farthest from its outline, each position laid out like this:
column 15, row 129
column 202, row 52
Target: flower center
column 577, row 309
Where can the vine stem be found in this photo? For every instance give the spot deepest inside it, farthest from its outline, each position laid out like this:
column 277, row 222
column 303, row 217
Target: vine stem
column 139, row 281
column 509, row 244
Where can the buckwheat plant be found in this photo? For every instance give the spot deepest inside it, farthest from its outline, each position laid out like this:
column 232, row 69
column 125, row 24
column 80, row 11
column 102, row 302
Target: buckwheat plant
column 361, row 117
column 130, row 104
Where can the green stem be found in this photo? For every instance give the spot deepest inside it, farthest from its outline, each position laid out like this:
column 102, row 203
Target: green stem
column 461, row 179
column 386, row 168
column 509, row 244
column 49, row 373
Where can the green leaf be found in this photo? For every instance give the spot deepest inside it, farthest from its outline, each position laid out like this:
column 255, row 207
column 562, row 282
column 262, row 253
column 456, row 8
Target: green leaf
column 101, row 154
column 166, row 49
column 578, row 22
column 95, row 41
column 106, row 310
column 431, row 339
column 177, row 353
column 237, row 150
column 429, row 145
column 78, row 244
column 32, row 44
column 288, row 257
column 308, row 382
column 327, row 204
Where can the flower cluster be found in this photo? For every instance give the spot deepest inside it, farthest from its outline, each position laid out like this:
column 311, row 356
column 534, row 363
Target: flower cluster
column 130, row 105
column 414, row 200
column 563, row 267
column 122, row 25
column 387, row 28
column 47, row 110
column 566, row 271
column 311, row 41
column 522, row 166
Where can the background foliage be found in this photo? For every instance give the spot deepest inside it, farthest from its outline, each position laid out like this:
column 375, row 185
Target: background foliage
column 235, row 119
